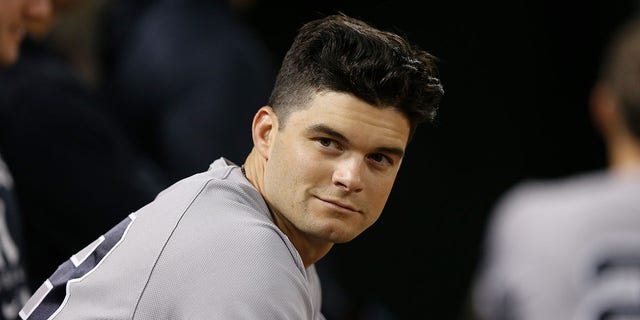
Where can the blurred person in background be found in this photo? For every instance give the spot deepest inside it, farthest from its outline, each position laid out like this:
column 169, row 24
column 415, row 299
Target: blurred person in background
column 570, row 249
column 15, row 18
column 74, row 170
column 185, row 75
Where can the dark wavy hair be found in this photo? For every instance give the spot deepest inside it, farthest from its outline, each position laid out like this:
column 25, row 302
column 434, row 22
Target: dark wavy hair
column 343, row 54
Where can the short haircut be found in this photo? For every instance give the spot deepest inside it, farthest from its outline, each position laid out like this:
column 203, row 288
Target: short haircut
column 343, row 54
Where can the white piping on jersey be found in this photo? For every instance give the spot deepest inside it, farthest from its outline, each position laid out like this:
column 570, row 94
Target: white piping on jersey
column 70, row 282
column 42, row 293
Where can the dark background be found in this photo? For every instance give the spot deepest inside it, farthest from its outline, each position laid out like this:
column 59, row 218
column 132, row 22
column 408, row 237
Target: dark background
column 517, row 77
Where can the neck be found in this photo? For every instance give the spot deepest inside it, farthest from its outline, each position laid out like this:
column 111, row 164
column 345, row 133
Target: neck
column 624, row 153
column 310, row 250
column 254, row 167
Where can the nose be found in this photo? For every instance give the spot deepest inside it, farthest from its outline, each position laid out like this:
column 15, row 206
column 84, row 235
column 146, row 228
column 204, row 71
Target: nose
column 348, row 175
column 38, row 9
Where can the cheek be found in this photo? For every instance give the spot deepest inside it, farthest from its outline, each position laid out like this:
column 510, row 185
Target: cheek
column 300, row 161
column 286, row 167
column 379, row 193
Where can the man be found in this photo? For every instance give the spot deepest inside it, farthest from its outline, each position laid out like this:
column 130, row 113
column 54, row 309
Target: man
column 570, row 249
column 241, row 242
column 49, row 111
column 15, row 17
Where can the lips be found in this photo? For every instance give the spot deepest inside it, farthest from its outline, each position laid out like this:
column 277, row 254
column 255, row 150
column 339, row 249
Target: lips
column 341, row 204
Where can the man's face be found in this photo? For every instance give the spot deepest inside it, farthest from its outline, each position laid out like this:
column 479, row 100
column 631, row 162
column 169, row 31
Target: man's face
column 12, row 30
column 332, row 165
column 15, row 17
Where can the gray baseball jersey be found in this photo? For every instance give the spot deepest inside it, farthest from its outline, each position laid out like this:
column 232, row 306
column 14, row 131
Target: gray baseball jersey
column 205, row 248
column 568, row 250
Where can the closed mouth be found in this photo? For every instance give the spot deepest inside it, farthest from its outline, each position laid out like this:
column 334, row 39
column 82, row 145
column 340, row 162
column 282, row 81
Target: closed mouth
column 340, row 204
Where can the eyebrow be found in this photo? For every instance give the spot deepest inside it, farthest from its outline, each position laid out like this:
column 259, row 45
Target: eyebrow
column 321, row 128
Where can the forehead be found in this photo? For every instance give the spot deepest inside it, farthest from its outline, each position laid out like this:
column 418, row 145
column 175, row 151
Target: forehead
column 352, row 116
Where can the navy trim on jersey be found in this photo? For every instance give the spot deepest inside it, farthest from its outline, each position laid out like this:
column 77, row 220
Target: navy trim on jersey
column 54, row 291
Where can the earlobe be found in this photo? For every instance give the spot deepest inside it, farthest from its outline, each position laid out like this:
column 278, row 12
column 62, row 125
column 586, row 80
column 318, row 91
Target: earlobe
column 265, row 124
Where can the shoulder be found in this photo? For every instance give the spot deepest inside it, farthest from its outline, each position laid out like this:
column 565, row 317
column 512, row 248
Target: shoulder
column 542, row 199
column 231, row 264
column 222, row 189
column 225, row 217
column 553, row 189
column 226, row 231
column 222, row 256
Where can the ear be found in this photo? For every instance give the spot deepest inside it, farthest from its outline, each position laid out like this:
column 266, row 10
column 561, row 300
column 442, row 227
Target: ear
column 264, row 129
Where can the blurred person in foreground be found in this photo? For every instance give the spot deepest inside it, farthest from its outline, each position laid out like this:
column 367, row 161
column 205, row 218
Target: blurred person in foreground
column 240, row 242
column 570, row 249
column 15, row 18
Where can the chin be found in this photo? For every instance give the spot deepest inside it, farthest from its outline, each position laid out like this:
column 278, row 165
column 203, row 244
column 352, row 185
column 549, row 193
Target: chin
column 336, row 230
column 340, row 236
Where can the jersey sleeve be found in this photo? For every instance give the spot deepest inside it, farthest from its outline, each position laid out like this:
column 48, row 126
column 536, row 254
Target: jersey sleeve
column 234, row 273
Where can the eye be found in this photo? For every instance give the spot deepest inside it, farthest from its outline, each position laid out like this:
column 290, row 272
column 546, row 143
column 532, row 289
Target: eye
column 328, row 144
column 325, row 142
column 381, row 159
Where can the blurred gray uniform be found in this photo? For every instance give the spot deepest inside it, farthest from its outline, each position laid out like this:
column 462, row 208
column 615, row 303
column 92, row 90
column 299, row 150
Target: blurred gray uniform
column 205, row 248
column 14, row 291
column 566, row 250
